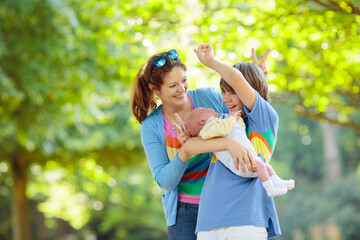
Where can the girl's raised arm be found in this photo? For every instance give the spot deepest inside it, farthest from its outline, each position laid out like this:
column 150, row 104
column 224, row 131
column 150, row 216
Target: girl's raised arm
column 232, row 76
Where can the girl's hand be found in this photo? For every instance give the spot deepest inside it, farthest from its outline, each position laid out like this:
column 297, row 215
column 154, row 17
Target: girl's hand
column 262, row 64
column 182, row 134
column 205, row 53
column 241, row 154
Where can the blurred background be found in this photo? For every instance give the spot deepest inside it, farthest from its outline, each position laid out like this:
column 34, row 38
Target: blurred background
column 71, row 161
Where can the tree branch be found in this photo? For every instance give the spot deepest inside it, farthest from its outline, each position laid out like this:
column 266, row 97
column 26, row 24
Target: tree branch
column 303, row 111
column 334, row 6
column 318, row 117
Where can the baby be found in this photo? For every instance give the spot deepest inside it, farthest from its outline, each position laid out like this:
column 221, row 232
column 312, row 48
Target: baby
column 208, row 124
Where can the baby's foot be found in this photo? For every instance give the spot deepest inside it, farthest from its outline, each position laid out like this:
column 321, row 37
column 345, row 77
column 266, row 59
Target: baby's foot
column 277, row 191
column 288, row 184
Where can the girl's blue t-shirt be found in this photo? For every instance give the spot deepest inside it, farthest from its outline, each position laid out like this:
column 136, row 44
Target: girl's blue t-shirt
column 230, row 200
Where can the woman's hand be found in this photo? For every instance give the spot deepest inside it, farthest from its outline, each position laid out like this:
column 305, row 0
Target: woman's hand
column 182, row 134
column 205, row 53
column 261, row 64
column 241, row 154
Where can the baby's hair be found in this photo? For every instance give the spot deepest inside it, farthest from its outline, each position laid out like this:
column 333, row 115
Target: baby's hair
column 253, row 75
column 188, row 123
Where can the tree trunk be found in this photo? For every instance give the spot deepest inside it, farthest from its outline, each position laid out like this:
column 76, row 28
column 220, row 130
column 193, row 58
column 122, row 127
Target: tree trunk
column 20, row 203
column 63, row 228
column 40, row 225
column 332, row 166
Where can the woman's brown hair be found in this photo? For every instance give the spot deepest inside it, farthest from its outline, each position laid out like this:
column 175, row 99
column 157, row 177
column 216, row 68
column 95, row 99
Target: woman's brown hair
column 253, row 75
column 142, row 98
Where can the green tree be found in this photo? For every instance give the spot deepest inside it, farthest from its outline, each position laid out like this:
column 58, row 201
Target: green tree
column 59, row 100
column 324, row 208
column 315, row 50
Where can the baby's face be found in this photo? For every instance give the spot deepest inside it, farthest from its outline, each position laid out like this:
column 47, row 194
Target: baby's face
column 197, row 119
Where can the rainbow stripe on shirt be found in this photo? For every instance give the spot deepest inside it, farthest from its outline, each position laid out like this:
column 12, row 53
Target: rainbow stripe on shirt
column 192, row 182
column 263, row 143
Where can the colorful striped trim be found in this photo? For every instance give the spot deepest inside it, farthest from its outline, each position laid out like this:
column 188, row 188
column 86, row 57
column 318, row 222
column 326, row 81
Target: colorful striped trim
column 268, row 135
column 172, row 142
column 195, row 175
column 262, row 138
column 191, row 189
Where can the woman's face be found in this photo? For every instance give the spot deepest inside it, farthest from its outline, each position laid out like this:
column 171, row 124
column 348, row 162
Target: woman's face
column 233, row 102
column 173, row 91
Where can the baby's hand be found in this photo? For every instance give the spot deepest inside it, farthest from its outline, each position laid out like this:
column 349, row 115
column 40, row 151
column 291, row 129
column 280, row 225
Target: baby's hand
column 236, row 115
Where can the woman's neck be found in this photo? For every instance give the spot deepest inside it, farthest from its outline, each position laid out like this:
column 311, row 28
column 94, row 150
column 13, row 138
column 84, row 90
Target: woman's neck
column 182, row 111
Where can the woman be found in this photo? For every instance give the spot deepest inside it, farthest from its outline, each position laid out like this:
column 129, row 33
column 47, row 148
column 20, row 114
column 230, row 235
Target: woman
column 163, row 78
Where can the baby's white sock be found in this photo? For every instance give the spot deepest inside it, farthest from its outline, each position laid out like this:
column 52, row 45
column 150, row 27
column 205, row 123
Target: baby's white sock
column 273, row 191
column 289, row 184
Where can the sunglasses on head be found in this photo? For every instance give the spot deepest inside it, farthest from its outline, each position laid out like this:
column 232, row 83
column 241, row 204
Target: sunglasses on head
column 161, row 60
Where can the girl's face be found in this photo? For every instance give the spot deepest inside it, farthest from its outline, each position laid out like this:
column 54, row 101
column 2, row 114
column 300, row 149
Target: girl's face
column 173, row 91
column 233, row 102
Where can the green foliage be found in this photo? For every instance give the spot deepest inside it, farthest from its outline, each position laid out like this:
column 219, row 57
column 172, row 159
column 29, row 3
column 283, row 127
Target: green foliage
column 314, row 56
column 5, row 200
column 74, row 52
column 330, row 207
column 59, row 95
column 317, row 205
column 117, row 203
column 299, row 145
column 350, row 149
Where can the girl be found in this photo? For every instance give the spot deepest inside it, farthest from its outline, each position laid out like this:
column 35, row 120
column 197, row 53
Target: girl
column 233, row 207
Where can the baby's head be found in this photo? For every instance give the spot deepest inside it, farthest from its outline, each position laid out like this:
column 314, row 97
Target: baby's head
column 197, row 118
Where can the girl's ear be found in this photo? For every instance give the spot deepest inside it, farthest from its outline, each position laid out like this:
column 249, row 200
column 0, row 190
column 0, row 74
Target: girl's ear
column 202, row 122
column 154, row 89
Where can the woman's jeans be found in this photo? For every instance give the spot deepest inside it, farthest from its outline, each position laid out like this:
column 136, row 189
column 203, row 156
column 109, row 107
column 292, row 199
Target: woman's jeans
column 186, row 217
